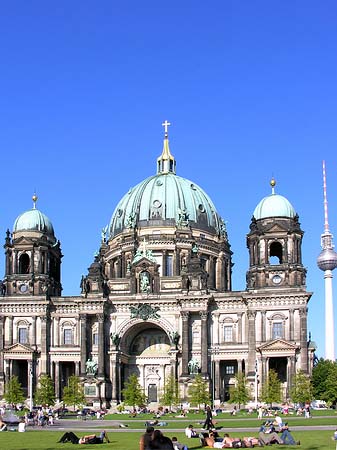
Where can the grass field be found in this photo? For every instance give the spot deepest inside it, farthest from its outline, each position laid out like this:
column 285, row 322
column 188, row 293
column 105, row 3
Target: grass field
column 47, row 440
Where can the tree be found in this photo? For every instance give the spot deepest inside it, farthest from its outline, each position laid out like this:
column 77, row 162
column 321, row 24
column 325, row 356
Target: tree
column 301, row 390
column 199, row 391
column 323, row 375
column 171, row 392
column 73, row 394
column 239, row 393
column 45, row 393
column 13, row 391
column 271, row 389
column 133, row 394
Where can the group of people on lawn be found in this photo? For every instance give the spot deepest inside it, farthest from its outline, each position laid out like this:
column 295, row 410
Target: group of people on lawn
column 270, row 432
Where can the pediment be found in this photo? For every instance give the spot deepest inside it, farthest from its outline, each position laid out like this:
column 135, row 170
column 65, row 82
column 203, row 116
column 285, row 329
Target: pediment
column 278, row 345
column 144, row 262
column 275, row 228
column 18, row 350
column 23, row 240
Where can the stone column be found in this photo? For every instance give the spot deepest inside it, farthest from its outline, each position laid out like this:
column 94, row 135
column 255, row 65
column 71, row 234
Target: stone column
column 290, row 371
column 10, row 330
column 263, row 326
column 216, row 336
column 185, row 343
column 216, row 381
column 83, row 341
column 15, row 261
column 57, row 331
column 119, row 378
column 239, row 363
column 251, row 315
column 44, row 369
column 77, row 368
column 303, row 339
column 291, row 325
column 2, row 334
column 114, row 377
column 33, row 341
column 164, row 268
column 177, row 262
column 100, row 371
column 239, row 336
column 204, row 342
column 123, row 265
column 57, row 380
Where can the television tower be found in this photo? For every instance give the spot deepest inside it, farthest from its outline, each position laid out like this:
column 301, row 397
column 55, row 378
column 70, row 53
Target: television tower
column 327, row 261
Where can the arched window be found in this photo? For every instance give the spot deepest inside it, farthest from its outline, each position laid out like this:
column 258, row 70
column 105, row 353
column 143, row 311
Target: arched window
column 24, row 263
column 22, row 328
column 277, row 326
column 275, row 253
column 67, row 329
column 95, row 335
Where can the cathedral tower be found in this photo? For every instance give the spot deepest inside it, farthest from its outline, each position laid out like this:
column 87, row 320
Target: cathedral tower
column 274, row 243
column 33, row 256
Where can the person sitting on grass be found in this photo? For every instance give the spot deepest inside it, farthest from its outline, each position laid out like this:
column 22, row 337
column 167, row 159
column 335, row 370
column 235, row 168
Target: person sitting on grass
column 190, row 432
column 267, row 434
column 287, row 437
column 88, row 439
column 177, row 445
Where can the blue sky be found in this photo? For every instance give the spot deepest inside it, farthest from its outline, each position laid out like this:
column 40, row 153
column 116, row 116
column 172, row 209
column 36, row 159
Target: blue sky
column 249, row 87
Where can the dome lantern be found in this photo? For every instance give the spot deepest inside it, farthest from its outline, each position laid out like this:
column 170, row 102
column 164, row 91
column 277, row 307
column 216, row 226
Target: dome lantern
column 166, row 162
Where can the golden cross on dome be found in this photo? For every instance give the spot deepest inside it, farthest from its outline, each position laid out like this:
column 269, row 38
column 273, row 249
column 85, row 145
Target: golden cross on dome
column 166, row 124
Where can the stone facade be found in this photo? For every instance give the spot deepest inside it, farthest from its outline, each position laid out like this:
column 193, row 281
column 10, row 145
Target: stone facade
column 157, row 296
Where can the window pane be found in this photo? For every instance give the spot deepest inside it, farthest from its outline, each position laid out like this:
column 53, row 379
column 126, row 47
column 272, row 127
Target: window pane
column 67, row 336
column 277, row 330
column 95, row 339
column 169, row 265
column 230, row 370
column 228, row 333
column 23, row 335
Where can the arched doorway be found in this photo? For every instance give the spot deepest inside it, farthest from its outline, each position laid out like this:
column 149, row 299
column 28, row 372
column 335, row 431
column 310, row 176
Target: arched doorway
column 148, row 349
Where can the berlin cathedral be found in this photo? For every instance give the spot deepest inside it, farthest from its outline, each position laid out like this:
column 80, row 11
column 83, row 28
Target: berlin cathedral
column 157, row 300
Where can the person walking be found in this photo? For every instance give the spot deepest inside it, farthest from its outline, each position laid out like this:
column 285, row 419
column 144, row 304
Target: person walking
column 209, row 419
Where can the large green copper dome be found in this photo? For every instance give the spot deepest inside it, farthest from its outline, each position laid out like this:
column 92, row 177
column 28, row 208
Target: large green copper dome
column 165, row 199
column 274, row 205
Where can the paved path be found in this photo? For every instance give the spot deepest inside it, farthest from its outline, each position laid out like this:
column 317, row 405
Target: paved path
column 137, row 426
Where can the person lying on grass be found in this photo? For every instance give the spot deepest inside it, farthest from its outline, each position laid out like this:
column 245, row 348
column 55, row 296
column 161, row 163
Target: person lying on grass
column 88, row 439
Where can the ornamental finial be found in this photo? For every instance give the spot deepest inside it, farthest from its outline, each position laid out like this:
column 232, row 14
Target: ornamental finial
column 166, row 124
column 34, row 198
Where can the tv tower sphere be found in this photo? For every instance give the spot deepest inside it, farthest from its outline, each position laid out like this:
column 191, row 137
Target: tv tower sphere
column 327, row 259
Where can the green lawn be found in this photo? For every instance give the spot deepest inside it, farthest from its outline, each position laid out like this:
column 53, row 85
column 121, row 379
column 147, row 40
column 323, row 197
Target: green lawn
column 222, row 421
column 47, row 440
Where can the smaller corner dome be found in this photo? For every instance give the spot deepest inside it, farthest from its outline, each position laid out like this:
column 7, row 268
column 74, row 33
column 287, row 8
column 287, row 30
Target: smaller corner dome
column 33, row 220
column 274, row 205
